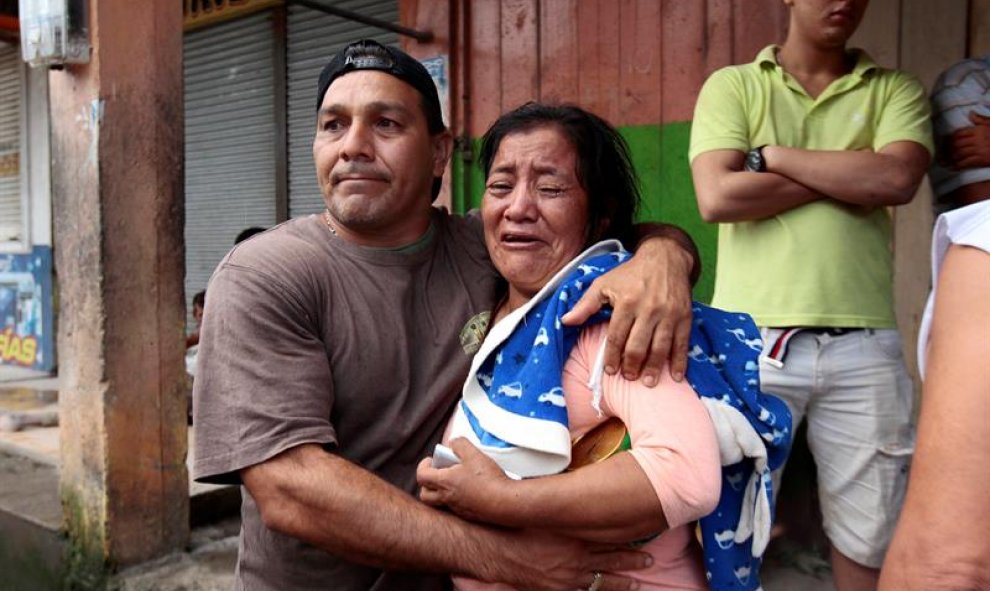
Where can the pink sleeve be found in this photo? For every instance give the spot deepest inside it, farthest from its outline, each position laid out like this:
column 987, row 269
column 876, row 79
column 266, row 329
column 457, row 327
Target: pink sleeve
column 673, row 439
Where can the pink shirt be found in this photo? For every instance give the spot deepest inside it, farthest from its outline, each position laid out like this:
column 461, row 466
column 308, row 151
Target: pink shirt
column 673, row 441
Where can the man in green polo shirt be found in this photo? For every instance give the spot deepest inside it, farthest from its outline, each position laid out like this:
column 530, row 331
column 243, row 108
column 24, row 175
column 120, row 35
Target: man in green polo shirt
column 798, row 156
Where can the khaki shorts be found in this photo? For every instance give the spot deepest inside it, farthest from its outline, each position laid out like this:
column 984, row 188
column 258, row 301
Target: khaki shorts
column 857, row 397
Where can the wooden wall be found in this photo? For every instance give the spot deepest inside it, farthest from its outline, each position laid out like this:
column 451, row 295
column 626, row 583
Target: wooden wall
column 637, row 63
column 633, row 62
column 923, row 38
column 979, row 28
column 643, row 61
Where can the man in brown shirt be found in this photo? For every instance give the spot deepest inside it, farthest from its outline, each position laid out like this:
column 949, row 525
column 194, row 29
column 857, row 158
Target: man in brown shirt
column 334, row 347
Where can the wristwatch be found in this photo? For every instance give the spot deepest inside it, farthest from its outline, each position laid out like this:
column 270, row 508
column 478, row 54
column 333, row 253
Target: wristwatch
column 755, row 161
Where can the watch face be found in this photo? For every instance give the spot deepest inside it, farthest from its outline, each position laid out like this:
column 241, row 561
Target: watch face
column 754, row 161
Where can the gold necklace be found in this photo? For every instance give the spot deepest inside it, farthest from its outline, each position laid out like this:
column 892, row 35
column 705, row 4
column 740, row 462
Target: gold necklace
column 326, row 219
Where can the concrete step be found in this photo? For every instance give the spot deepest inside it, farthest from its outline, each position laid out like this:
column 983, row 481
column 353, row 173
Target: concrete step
column 32, row 546
column 32, row 542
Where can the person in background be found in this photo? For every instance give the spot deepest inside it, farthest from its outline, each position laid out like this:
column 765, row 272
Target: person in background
column 198, row 305
column 941, row 542
column 798, row 155
column 961, row 122
column 192, row 347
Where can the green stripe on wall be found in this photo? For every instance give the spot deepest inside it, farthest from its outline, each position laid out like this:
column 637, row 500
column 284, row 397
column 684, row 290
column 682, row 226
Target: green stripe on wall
column 660, row 156
column 476, row 181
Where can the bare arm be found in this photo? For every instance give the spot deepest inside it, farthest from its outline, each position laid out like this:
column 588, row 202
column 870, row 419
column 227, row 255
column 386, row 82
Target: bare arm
column 299, row 493
column 941, row 541
column 343, row 509
column 612, row 501
column 727, row 193
column 861, row 177
column 648, row 232
column 651, row 297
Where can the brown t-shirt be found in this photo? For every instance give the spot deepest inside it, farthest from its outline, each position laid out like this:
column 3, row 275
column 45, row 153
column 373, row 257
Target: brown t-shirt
column 307, row 338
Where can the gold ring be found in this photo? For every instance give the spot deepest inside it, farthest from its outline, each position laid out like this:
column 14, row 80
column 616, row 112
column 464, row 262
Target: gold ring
column 597, row 582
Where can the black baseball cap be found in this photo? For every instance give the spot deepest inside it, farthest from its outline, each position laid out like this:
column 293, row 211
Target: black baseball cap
column 372, row 55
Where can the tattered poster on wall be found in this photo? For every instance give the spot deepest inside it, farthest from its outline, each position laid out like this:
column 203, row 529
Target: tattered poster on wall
column 27, row 335
column 437, row 67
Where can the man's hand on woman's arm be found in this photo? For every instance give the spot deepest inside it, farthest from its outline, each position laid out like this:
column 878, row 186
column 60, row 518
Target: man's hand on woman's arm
column 651, row 300
column 333, row 504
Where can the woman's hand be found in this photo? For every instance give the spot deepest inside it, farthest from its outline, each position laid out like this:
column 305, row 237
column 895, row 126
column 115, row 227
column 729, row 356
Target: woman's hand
column 473, row 489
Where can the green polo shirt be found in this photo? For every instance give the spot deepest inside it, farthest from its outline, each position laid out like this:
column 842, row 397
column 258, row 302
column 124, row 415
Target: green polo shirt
column 824, row 263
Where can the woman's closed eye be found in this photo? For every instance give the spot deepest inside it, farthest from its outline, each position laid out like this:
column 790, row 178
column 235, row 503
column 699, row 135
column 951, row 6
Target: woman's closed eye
column 498, row 188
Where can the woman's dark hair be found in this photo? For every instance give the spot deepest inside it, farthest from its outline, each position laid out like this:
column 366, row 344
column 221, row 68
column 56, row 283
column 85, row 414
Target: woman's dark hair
column 604, row 167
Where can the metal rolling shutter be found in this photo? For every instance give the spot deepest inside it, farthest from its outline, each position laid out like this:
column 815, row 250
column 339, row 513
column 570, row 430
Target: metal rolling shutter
column 11, row 155
column 312, row 38
column 230, row 135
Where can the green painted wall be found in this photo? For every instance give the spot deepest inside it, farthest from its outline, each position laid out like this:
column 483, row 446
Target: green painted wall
column 660, row 157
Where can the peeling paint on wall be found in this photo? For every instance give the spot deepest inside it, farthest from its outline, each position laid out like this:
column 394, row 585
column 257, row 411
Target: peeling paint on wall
column 95, row 120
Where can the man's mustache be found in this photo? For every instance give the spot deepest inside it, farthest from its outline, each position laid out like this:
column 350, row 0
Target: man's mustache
column 362, row 172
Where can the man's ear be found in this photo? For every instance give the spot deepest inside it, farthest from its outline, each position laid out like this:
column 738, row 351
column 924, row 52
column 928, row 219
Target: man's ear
column 443, row 145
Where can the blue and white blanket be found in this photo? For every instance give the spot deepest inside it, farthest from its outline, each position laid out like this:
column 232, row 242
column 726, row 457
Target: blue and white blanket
column 513, row 408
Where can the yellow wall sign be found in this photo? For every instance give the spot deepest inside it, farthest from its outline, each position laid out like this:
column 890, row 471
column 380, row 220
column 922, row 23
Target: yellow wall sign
column 201, row 13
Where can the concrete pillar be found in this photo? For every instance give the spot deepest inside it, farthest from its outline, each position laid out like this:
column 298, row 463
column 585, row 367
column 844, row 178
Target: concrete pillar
column 117, row 170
